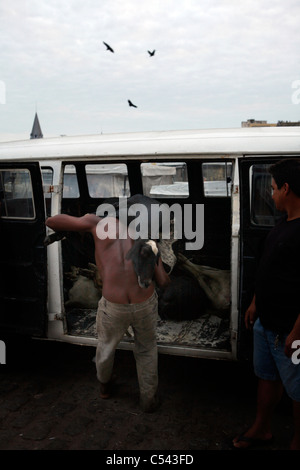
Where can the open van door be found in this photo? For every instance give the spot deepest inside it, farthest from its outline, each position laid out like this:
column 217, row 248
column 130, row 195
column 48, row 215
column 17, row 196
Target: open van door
column 258, row 216
column 23, row 261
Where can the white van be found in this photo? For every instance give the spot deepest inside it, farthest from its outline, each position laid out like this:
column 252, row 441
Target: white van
column 224, row 170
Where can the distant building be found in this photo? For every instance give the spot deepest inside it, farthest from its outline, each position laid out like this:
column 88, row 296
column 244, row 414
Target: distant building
column 36, row 132
column 288, row 123
column 254, row 123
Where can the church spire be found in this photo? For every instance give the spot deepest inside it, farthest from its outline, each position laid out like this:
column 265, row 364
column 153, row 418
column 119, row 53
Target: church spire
column 36, row 132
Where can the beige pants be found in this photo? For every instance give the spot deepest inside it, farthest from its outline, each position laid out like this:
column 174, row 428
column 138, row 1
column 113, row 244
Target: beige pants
column 113, row 321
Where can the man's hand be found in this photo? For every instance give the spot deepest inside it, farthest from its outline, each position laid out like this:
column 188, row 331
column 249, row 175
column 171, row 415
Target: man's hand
column 250, row 315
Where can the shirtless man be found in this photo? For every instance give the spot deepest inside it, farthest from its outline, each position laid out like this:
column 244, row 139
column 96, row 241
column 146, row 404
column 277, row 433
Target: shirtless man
column 124, row 303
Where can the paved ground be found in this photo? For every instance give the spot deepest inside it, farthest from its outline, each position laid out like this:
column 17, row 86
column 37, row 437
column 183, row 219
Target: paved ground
column 49, row 400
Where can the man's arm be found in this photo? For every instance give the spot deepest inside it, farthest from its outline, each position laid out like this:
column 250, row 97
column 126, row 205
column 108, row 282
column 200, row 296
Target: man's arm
column 250, row 315
column 68, row 223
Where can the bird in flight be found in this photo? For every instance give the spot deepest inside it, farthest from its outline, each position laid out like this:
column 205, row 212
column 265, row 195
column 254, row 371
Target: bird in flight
column 131, row 104
column 108, row 47
column 151, row 53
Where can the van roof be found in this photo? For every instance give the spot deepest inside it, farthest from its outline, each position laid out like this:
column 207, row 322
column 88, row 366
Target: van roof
column 158, row 144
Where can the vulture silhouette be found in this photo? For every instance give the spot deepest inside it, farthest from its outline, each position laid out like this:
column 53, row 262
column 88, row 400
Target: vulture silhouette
column 108, row 48
column 131, row 104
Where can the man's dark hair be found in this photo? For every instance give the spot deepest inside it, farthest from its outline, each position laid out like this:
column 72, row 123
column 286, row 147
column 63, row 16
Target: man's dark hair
column 287, row 171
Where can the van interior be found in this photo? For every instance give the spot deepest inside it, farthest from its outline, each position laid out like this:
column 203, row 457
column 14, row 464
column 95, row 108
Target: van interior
column 194, row 312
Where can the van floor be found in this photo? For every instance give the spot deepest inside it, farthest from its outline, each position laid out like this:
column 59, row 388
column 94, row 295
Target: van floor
column 209, row 331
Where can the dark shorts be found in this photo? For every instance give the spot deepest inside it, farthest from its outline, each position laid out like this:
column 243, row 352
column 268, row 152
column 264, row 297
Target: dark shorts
column 270, row 362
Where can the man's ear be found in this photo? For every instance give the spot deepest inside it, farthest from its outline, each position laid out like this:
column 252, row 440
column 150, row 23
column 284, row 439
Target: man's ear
column 286, row 187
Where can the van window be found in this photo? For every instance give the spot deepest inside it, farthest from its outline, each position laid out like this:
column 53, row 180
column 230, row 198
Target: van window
column 107, row 180
column 165, row 180
column 262, row 207
column 47, row 175
column 16, row 194
column 70, row 182
column 217, row 179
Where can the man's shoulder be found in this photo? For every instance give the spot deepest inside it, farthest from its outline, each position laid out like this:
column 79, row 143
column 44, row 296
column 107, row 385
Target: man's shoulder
column 286, row 230
column 111, row 228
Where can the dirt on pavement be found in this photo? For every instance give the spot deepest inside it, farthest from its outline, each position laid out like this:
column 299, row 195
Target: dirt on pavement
column 49, row 398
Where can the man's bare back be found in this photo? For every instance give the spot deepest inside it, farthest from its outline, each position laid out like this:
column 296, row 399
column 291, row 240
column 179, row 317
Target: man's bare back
column 119, row 280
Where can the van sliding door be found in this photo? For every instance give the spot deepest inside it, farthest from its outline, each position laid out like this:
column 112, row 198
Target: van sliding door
column 258, row 216
column 23, row 263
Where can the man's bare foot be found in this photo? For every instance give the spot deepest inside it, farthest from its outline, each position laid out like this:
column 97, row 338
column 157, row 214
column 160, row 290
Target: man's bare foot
column 105, row 390
column 248, row 439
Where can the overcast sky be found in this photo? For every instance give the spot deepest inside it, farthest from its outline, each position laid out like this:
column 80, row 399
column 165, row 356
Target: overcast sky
column 217, row 63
